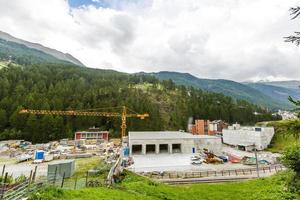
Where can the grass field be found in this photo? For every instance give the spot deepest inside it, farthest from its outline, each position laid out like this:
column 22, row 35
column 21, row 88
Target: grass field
column 85, row 164
column 136, row 187
column 3, row 64
column 282, row 137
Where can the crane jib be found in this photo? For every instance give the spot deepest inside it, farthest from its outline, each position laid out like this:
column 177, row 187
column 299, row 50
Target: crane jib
column 123, row 115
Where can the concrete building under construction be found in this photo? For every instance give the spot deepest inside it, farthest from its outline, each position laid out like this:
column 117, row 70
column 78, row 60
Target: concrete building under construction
column 157, row 142
column 247, row 138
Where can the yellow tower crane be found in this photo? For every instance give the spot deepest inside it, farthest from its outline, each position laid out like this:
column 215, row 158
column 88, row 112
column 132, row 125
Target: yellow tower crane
column 124, row 114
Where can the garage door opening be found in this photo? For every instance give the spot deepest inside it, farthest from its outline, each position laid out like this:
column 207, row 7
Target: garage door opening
column 137, row 149
column 163, row 148
column 176, row 148
column 150, row 148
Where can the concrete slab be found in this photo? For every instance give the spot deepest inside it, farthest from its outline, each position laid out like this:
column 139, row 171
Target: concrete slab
column 176, row 162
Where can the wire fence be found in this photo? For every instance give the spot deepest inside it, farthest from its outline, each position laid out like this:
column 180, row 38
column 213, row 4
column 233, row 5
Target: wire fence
column 210, row 173
column 14, row 191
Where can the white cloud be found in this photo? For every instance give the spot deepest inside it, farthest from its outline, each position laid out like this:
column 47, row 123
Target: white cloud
column 231, row 39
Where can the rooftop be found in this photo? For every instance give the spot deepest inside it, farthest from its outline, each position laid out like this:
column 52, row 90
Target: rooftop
column 150, row 135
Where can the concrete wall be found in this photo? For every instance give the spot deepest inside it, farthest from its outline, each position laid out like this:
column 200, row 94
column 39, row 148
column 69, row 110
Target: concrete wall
column 187, row 145
column 212, row 143
column 248, row 136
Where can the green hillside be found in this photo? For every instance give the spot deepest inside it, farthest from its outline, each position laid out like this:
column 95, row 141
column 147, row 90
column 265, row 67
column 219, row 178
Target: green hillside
column 139, row 188
column 279, row 93
column 64, row 87
column 287, row 133
column 285, row 84
column 39, row 48
column 21, row 54
column 226, row 87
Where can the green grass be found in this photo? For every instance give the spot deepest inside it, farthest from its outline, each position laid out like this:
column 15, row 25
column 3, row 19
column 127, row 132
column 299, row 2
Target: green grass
column 3, row 64
column 136, row 187
column 282, row 137
column 85, row 164
column 280, row 143
column 6, row 161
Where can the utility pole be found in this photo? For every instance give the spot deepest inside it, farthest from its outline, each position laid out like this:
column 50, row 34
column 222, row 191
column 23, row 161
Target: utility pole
column 256, row 159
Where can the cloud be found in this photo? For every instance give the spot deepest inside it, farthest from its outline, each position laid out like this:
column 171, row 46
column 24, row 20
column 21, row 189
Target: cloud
column 230, row 39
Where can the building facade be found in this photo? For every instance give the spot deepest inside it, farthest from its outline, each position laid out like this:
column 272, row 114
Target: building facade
column 206, row 127
column 248, row 137
column 91, row 134
column 156, row 142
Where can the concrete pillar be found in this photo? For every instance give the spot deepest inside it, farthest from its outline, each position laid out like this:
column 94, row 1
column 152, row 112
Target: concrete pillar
column 130, row 150
column 157, row 148
column 143, row 149
column 170, row 148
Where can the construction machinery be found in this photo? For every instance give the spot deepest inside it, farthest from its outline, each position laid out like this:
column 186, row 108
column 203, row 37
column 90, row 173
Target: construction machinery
column 124, row 114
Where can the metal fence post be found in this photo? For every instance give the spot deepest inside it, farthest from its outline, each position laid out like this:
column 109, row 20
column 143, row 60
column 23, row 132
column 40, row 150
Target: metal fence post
column 63, row 180
column 30, row 178
column 34, row 174
column 86, row 179
column 75, row 183
column 5, row 177
column 3, row 170
column 54, row 179
column 3, row 185
column 256, row 159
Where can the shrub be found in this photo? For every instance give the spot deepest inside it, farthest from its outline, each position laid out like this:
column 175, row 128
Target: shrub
column 291, row 158
column 9, row 179
column 21, row 179
column 46, row 193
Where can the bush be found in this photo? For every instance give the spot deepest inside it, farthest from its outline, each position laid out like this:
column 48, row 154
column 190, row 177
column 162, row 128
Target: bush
column 291, row 158
column 20, row 179
column 46, row 193
column 9, row 179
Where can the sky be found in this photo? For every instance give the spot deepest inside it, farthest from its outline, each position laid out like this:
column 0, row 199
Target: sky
column 241, row 40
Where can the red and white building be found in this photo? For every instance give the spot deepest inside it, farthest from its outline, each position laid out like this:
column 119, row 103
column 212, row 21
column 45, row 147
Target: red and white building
column 91, row 134
column 206, row 127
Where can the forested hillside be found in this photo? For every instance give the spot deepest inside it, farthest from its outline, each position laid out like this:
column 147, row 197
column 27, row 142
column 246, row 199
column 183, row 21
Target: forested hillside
column 22, row 47
column 63, row 87
column 24, row 55
column 261, row 94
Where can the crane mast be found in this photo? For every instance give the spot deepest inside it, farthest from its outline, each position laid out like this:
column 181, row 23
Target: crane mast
column 123, row 115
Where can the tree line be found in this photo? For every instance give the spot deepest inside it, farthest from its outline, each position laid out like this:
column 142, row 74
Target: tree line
column 68, row 87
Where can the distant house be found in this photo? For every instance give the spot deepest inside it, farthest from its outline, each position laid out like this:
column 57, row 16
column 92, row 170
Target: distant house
column 285, row 115
column 92, row 134
column 206, row 127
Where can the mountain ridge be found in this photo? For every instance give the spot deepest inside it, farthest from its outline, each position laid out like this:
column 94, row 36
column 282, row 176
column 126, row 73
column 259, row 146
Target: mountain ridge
column 53, row 52
column 260, row 94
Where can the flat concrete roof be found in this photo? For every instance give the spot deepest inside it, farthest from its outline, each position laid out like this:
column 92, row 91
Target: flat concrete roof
column 156, row 135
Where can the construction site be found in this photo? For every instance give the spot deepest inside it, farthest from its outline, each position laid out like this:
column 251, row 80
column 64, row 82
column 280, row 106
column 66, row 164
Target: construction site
column 208, row 150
